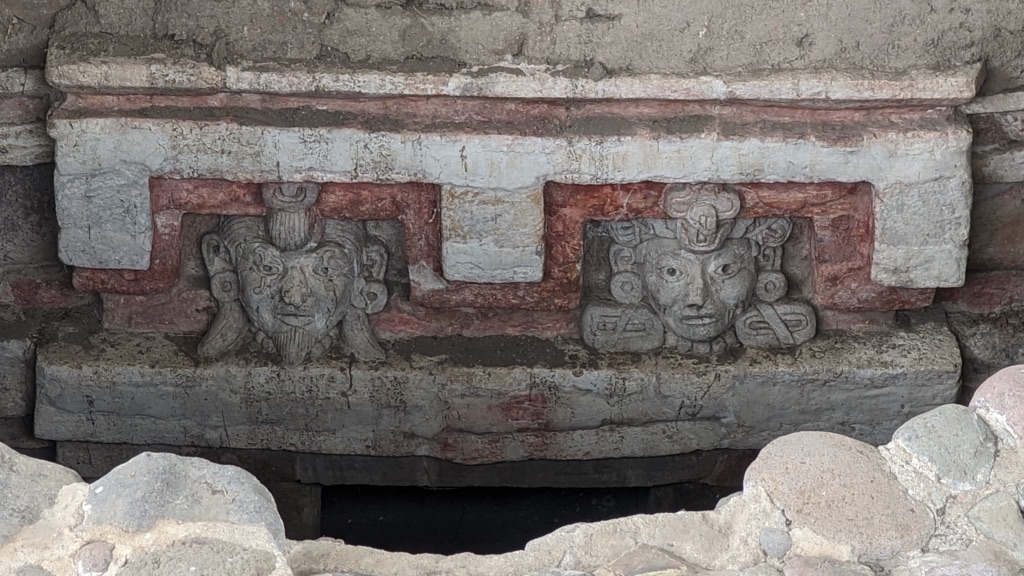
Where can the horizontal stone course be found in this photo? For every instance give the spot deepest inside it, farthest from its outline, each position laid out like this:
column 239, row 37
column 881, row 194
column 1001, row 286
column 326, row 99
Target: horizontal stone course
column 715, row 467
column 437, row 401
column 76, row 72
column 920, row 226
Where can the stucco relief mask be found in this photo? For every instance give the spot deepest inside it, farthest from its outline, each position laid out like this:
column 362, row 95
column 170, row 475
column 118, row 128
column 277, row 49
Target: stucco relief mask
column 298, row 282
column 697, row 296
column 700, row 282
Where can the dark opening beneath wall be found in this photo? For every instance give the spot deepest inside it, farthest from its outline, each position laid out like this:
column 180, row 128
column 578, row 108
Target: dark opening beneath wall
column 489, row 520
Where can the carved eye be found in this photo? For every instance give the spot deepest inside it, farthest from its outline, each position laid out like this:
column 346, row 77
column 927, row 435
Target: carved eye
column 728, row 270
column 266, row 263
column 329, row 263
column 670, row 273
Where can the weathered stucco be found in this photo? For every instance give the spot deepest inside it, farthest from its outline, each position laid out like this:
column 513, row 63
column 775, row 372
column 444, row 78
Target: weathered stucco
column 594, row 38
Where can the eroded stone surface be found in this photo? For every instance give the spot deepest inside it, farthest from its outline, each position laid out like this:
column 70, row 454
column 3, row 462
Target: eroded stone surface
column 841, row 490
column 980, row 559
column 17, row 377
column 153, row 487
column 201, row 556
column 492, row 236
column 998, row 518
column 1000, row 402
column 29, row 487
column 951, row 444
column 920, row 229
column 816, row 566
column 442, row 401
column 701, row 283
column 300, row 282
column 94, row 558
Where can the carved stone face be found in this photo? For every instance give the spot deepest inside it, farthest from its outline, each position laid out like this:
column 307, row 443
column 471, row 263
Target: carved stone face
column 697, row 296
column 296, row 297
column 299, row 289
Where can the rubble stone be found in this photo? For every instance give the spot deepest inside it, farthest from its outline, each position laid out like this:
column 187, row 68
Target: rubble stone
column 1000, row 403
column 153, row 487
column 29, row 487
column 950, row 444
column 841, row 490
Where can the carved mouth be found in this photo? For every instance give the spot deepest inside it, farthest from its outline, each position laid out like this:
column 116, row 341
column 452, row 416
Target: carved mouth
column 297, row 320
column 698, row 320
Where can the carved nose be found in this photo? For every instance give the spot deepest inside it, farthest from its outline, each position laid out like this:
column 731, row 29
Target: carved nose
column 696, row 291
column 294, row 288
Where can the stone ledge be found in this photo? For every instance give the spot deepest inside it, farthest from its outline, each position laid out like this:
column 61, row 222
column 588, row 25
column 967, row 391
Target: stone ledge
column 431, row 399
column 71, row 71
column 715, row 467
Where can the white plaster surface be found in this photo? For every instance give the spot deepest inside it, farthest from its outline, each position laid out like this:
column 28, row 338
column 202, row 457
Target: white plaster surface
column 492, row 235
column 438, row 405
column 921, row 172
column 73, row 73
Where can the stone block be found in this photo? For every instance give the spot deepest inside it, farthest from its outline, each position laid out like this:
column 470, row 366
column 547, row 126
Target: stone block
column 105, row 217
column 25, row 144
column 28, row 225
column 996, row 226
column 17, row 377
column 842, row 491
column 492, row 236
column 522, row 399
column 993, row 292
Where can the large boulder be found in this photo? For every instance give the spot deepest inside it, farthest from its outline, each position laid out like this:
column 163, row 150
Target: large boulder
column 27, row 488
column 153, row 487
column 840, row 490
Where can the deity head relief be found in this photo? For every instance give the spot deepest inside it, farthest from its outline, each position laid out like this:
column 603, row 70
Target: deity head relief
column 701, row 282
column 298, row 282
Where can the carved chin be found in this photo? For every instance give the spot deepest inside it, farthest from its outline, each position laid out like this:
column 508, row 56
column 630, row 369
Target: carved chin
column 294, row 345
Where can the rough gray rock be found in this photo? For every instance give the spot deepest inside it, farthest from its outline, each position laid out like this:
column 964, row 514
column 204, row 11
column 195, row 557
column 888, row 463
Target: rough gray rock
column 841, row 490
column 1000, row 403
column 28, row 487
column 775, row 542
column 201, row 556
column 94, row 558
column 952, row 444
column 998, row 518
column 153, row 487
